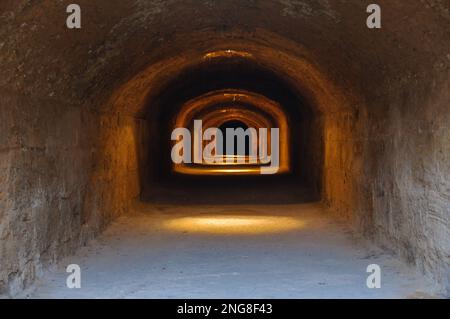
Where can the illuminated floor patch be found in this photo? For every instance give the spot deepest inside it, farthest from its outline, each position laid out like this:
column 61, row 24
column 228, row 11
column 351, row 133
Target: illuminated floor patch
column 233, row 224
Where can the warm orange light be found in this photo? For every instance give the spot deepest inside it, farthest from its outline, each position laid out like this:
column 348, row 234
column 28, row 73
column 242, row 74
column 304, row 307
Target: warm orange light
column 227, row 53
column 234, row 224
column 210, row 170
column 254, row 110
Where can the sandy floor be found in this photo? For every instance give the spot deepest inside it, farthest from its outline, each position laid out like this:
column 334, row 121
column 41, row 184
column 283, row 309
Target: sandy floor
column 290, row 251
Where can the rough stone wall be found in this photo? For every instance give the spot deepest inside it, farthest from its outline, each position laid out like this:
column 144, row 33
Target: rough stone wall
column 410, row 171
column 59, row 184
column 61, row 180
column 45, row 156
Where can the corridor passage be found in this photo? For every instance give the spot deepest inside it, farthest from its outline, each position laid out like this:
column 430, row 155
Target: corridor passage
column 244, row 251
column 225, row 148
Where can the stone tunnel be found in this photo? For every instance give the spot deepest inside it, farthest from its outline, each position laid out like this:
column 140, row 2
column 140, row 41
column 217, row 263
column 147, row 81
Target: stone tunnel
column 85, row 148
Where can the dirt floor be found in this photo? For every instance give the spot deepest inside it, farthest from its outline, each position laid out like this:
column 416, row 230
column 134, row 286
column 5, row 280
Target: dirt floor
column 220, row 251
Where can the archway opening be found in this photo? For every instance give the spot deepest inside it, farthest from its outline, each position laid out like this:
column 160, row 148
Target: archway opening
column 235, row 125
column 233, row 92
